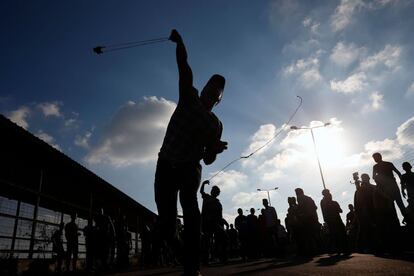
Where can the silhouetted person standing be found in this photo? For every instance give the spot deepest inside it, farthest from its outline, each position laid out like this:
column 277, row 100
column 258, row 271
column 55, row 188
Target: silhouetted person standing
column 71, row 234
column 57, row 248
column 366, row 214
column 407, row 181
column 193, row 133
column 270, row 217
column 211, row 218
column 252, row 226
column 89, row 231
column 233, row 240
column 382, row 173
column 309, row 222
column 351, row 227
column 240, row 223
column 331, row 214
column 293, row 226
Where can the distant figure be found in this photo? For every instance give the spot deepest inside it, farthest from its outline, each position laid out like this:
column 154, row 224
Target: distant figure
column 211, row 218
column 364, row 201
column 382, row 173
column 292, row 223
column 253, row 228
column 241, row 225
column 351, row 227
column 122, row 242
column 89, row 231
column 407, row 181
column 57, row 248
column 270, row 218
column 193, row 133
column 233, row 240
column 71, row 233
column 105, row 236
column 309, row 222
column 331, row 214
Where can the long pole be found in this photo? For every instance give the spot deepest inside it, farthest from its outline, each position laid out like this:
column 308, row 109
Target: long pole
column 317, row 158
column 268, row 196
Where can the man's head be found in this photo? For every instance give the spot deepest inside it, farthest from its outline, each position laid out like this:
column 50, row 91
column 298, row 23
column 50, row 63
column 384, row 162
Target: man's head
column 215, row 191
column 265, row 202
column 365, row 178
column 351, row 207
column 406, row 166
column 377, row 157
column 231, row 226
column 327, row 194
column 299, row 192
column 212, row 91
column 240, row 211
column 252, row 211
column 291, row 200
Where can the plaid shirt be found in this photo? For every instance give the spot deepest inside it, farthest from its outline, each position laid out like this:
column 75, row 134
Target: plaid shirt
column 190, row 131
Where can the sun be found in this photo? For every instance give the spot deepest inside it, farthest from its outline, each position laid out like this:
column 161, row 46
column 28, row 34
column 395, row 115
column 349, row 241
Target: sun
column 330, row 141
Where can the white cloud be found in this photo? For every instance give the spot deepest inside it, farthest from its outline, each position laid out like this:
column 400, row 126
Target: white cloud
column 50, row 109
column 311, row 24
column 306, row 69
column 344, row 13
column 405, row 132
column 390, row 150
column 376, row 102
column 263, row 135
column 135, row 133
column 19, row 116
column 230, row 181
column 48, row 139
column 388, row 57
column 345, row 54
column 83, row 141
column 352, row 84
column 246, row 200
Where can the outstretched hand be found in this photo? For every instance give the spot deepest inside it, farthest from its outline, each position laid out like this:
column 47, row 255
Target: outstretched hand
column 175, row 36
column 220, row 146
column 206, row 182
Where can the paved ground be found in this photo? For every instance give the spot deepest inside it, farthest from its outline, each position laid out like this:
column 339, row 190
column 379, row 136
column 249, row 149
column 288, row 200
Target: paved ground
column 355, row 264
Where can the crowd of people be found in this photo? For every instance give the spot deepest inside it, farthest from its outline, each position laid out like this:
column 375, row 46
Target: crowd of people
column 107, row 243
column 194, row 135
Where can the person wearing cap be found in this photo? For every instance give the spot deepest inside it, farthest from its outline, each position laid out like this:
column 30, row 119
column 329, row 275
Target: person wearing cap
column 193, row 134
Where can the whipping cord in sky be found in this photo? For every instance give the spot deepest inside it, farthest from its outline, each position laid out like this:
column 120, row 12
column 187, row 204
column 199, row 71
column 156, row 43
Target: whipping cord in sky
column 121, row 46
column 262, row 146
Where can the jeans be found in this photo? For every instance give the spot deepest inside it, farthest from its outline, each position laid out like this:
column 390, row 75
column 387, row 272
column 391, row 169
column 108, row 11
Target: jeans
column 185, row 179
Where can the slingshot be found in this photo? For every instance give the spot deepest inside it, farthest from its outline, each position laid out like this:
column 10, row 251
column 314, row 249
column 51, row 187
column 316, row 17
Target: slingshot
column 122, row 46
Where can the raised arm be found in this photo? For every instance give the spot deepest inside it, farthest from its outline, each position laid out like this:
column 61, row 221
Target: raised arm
column 184, row 70
column 202, row 187
column 396, row 171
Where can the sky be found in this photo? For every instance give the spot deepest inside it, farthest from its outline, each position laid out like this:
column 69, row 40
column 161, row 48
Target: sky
column 349, row 60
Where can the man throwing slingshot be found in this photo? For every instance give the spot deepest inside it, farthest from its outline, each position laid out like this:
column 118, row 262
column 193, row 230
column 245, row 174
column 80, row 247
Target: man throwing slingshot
column 193, row 133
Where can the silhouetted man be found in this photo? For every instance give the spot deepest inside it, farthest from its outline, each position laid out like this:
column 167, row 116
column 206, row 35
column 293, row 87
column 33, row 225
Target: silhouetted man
column 241, row 225
column 407, row 181
column 57, row 248
column 233, row 239
column 71, row 233
column 193, row 133
column 351, row 226
column 331, row 214
column 292, row 223
column 270, row 217
column 211, row 218
column 366, row 214
column 309, row 222
column 252, row 226
column 383, row 175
